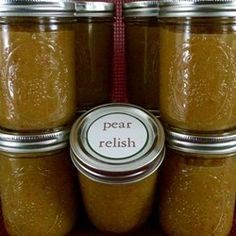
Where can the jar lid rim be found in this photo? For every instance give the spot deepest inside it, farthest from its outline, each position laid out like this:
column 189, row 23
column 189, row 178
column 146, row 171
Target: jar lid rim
column 197, row 8
column 20, row 143
column 113, row 168
column 94, row 6
column 212, row 144
column 140, row 4
column 141, row 9
column 37, row 8
column 94, row 9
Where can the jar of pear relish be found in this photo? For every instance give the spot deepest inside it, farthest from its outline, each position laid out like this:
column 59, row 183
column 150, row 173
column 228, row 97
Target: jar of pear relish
column 198, row 184
column 37, row 64
column 94, row 52
column 197, row 66
column 117, row 150
column 142, row 53
column 37, row 183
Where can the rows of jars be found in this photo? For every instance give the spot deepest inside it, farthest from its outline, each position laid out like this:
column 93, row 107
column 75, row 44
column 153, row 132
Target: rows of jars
column 173, row 144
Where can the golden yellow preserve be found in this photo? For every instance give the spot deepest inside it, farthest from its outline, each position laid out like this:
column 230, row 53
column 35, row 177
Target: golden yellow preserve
column 197, row 194
column 142, row 58
column 118, row 208
column 197, row 73
column 37, row 193
column 37, row 79
column 94, row 53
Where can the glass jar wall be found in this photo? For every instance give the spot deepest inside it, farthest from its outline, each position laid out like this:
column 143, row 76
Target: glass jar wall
column 198, row 194
column 129, row 205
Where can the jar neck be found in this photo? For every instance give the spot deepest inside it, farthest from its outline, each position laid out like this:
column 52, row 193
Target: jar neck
column 29, row 154
column 119, row 178
column 94, row 19
column 152, row 19
column 194, row 155
column 198, row 20
column 36, row 20
column 199, row 159
column 199, row 25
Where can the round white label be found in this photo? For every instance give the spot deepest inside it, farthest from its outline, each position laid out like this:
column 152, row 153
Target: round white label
column 117, row 135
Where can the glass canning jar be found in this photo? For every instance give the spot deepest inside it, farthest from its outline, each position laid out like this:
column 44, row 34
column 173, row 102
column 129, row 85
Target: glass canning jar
column 117, row 149
column 197, row 67
column 37, row 64
column 94, row 52
column 198, row 184
column 142, row 53
column 37, row 183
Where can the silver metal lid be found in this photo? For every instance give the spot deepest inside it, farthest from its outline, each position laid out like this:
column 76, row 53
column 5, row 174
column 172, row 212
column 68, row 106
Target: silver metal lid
column 94, row 9
column 117, row 143
column 197, row 8
column 33, row 143
column 212, row 144
column 141, row 9
column 37, row 8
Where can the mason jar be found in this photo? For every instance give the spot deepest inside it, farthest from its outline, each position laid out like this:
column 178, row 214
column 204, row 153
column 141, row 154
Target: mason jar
column 142, row 53
column 198, row 184
column 197, row 66
column 117, row 149
column 37, row 183
column 37, row 64
column 94, row 53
